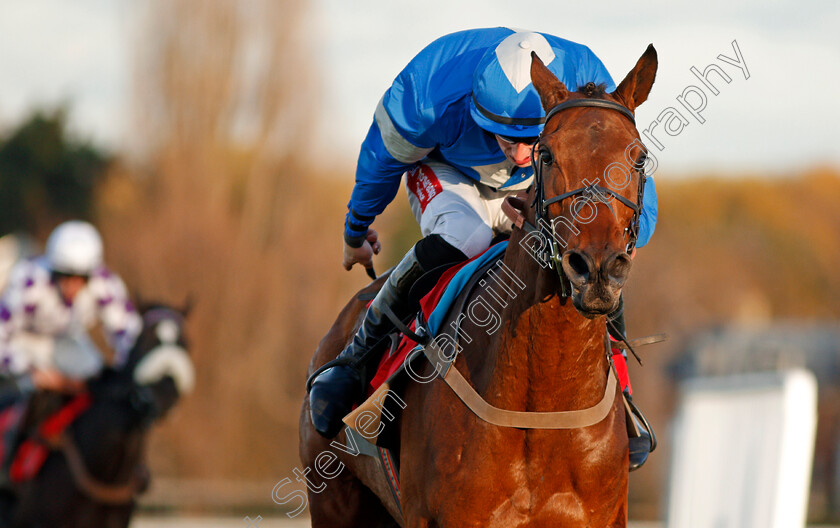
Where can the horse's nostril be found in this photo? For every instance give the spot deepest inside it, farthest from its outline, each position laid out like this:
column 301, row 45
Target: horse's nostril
column 619, row 268
column 579, row 265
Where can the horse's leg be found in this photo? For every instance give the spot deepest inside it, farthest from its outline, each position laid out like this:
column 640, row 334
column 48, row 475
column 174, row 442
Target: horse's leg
column 118, row 516
column 620, row 520
column 7, row 504
column 342, row 501
column 347, row 503
column 420, row 523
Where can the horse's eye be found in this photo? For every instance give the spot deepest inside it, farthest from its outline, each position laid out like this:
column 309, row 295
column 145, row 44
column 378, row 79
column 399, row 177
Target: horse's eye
column 546, row 157
column 640, row 163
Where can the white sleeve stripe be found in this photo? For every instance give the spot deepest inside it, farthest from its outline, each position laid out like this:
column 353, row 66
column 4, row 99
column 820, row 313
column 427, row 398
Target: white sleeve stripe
column 398, row 147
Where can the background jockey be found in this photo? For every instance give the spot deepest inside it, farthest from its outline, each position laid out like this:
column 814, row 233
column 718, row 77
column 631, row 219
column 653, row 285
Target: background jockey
column 49, row 304
column 459, row 121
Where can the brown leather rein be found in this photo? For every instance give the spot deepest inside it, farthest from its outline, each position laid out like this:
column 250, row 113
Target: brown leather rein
column 111, row 494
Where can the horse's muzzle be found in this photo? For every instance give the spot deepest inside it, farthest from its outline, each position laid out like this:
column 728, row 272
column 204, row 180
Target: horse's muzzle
column 596, row 279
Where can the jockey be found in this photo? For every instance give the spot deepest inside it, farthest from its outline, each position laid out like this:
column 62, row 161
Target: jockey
column 459, row 121
column 47, row 307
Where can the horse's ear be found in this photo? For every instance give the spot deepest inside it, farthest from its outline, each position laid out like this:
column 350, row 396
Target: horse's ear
column 139, row 302
column 189, row 302
column 552, row 92
column 634, row 89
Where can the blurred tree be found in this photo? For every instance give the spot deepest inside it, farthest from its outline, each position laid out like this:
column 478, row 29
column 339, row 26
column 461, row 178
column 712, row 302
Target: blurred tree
column 224, row 107
column 228, row 210
column 46, row 175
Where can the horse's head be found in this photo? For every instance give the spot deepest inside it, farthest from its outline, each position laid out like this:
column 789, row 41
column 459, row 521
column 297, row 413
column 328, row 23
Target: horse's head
column 159, row 362
column 590, row 179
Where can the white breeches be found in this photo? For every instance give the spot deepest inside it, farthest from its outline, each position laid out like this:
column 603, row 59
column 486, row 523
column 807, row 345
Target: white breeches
column 462, row 211
column 74, row 355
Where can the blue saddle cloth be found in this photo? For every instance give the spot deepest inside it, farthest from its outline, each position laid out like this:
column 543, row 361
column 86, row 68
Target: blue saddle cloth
column 456, row 285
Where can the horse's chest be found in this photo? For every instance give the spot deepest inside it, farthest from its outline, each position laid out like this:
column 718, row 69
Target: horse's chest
column 513, row 478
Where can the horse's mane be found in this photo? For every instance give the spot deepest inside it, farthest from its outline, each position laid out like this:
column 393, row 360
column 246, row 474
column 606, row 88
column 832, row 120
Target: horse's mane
column 593, row 91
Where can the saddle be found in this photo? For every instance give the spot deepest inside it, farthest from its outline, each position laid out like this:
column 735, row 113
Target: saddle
column 45, row 422
column 42, row 421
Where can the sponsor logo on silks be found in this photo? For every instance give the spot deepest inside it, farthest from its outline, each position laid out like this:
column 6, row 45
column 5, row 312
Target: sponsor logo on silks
column 424, row 184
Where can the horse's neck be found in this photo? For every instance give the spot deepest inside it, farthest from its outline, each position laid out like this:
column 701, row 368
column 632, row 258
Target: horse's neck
column 110, row 456
column 547, row 357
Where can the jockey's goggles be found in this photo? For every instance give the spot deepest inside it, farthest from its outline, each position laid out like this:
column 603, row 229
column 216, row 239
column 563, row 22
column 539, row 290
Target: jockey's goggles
column 57, row 275
column 512, row 140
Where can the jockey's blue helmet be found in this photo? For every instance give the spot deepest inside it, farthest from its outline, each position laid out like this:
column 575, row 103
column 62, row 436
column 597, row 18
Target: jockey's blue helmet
column 503, row 99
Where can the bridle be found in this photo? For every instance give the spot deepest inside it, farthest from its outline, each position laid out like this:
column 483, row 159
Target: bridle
column 541, row 204
column 154, row 316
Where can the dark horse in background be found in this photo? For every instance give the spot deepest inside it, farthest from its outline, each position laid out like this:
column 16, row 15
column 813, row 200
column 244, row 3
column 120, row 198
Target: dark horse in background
column 96, row 469
column 549, row 355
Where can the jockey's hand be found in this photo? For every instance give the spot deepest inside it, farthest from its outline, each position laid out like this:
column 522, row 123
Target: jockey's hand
column 50, row 379
column 364, row 254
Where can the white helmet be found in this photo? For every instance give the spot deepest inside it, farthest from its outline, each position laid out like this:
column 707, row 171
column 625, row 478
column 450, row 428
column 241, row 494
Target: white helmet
column 74, row 248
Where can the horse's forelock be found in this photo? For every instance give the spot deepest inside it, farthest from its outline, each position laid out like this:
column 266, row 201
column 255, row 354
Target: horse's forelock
column 593, row 91
column 155, row 315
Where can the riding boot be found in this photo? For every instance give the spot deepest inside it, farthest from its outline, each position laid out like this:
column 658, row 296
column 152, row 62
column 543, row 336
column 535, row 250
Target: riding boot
column 641, row 445
column 334, row 392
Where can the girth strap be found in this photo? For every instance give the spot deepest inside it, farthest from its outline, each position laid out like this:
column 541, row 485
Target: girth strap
column 596, row 103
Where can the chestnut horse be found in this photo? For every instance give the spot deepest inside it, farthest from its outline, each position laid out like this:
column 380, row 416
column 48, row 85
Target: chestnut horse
column 548, row 355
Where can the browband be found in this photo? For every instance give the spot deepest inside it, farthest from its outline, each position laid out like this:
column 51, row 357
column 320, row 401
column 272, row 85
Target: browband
column 598, row 103
column 532, row 121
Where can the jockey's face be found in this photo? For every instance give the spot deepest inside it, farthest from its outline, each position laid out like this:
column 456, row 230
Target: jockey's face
column 517, row 152
column 70, row 285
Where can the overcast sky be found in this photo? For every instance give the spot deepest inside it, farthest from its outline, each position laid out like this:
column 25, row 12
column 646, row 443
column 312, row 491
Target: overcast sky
column 783, row 117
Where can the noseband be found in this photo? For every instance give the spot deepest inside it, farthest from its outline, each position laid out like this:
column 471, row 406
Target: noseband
column 590, row 191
